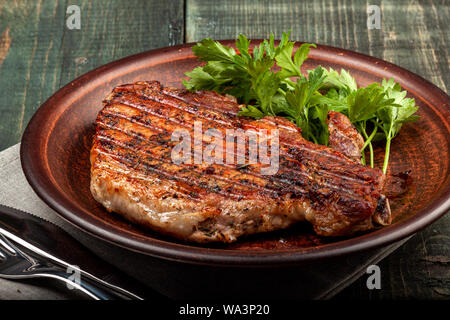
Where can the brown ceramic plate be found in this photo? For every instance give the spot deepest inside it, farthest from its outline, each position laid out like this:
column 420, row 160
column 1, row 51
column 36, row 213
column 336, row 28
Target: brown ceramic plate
column 55, row 158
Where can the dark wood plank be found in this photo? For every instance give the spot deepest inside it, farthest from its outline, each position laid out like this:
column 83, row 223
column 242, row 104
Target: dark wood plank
column 116, row 29
column 31, row 35
column 39, row 54
column 417, row 270
column 414, row 35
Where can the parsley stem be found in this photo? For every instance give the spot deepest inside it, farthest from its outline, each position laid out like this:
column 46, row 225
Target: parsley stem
column 281, row 91
column 386, row 155
column 363, row 157
column 371, row 155
column 368, row 142
column 369, row 139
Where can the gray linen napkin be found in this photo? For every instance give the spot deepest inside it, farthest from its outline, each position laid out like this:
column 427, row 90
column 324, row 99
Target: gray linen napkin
column 17, row 193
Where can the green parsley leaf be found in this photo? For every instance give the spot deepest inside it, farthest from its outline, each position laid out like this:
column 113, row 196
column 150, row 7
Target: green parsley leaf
column 343, row 81
column 394, row 115
column 291, row 67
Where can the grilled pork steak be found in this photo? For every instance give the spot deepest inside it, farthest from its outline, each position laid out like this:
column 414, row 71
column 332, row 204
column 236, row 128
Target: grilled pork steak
column 133, row 172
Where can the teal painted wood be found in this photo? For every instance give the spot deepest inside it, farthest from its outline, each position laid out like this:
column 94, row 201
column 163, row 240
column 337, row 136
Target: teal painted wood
column 30, row 61
column 116, row 29
column 39, row 54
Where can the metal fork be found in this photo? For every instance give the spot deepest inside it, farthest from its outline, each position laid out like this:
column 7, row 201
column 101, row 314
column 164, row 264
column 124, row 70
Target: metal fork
column 16, row 262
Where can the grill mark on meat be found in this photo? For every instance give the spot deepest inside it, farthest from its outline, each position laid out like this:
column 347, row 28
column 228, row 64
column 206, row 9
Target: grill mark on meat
column 229, row 107
column 273, row 188
column 299, row 172
column 119, row 168
column 175, row 104
column 172, row 174
column 144, row 168
column 159, row 143
column 290, row 180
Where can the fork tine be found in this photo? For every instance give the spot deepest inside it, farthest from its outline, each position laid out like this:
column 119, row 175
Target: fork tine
column 3, row 253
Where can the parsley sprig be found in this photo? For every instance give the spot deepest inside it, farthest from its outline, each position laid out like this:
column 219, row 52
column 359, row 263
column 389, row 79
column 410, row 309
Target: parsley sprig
column 268, row 81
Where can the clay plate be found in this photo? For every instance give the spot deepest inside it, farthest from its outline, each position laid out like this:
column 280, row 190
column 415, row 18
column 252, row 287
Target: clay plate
column 55, row 159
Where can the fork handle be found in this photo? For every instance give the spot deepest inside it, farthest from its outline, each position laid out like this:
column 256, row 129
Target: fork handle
column 89, row 285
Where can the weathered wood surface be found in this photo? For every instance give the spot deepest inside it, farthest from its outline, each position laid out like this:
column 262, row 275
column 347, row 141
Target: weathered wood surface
column 39, row 54
column 413, row 34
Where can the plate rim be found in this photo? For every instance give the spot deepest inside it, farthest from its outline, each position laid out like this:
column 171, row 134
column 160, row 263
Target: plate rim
column 213, row 256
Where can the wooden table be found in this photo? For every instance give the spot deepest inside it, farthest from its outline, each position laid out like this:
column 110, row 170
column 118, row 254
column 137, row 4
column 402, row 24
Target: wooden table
column 39, row 54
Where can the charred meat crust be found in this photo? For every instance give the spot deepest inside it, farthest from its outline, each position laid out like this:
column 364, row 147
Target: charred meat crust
column 343, row 135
